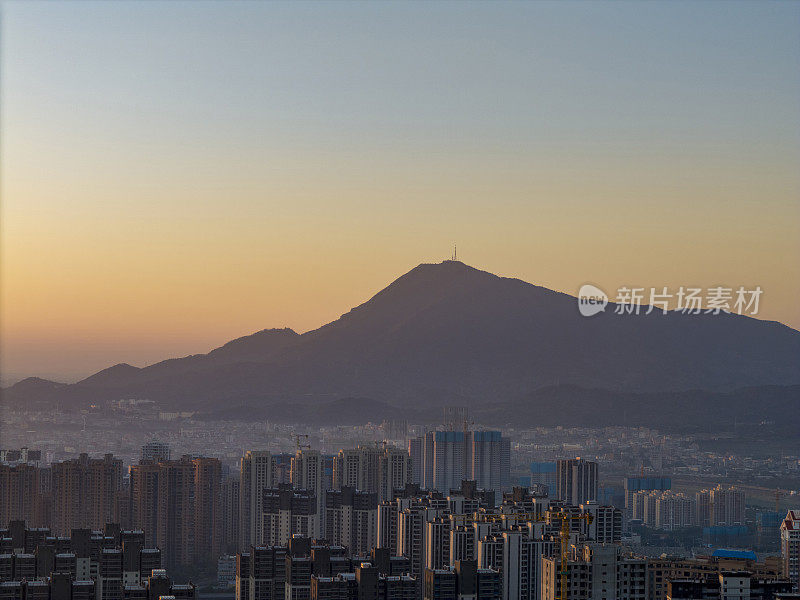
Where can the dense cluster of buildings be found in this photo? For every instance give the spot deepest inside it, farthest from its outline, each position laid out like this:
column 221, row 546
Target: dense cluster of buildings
column 436, row 520
column 194, row 511
column 458, row 545
column 652, row 502
column 664, row 509
column 108, row 564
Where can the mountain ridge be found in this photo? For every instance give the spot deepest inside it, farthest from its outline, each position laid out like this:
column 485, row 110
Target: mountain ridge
column 448, row 332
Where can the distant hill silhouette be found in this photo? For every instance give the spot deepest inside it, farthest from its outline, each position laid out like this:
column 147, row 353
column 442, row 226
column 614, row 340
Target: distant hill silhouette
column 746, row 410
column 451, row 334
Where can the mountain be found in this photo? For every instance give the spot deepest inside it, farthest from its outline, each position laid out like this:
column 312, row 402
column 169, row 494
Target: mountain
column 746, row 411
column 448, row 333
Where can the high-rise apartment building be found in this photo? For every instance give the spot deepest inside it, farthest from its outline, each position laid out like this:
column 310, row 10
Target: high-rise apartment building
column 256, row 475
column 84, row 492
column 727, row 506
column 790, row 547
column 308, row 474
column 634, row 485
column 598, row 571
column 674, row 511
column 175, row 512
column 155, row 451
column 231, row 523
column 437, row 543
column 144, row 490
column 720, row 506
column 178, row 505
column 394, row 472
column 351, row 519
column 605, row 526
column 518, row 558
column 488, row 460
column 415, row 453
column 463, row 581
column 22, row 496
column 303, row 570
column 208, row 501
column 372, row 469
column 577, row 481
column 357, row 468
column 111, row 558
column 643, row 506
column 445, row 459
column 288, row 512
column 702, row 500
column 442, row 459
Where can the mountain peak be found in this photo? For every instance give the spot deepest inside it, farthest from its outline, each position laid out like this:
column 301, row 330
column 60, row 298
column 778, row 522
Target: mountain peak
column 36, row 383
column 448, row 332
column 114, row 373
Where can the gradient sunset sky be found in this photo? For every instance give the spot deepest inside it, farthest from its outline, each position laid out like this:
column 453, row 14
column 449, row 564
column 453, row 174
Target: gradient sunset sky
column 178, row 174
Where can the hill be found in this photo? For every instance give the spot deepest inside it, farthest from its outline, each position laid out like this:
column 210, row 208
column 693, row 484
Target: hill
column 448, row 333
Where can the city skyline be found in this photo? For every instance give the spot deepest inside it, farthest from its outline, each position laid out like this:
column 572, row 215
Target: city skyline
column 490, row 300
column 176, row 176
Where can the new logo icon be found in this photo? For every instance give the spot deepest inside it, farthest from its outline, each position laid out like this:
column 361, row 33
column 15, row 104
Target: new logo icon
column 591, row 300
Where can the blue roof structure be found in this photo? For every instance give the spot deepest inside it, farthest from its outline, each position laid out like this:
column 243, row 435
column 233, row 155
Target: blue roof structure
column 729, row 553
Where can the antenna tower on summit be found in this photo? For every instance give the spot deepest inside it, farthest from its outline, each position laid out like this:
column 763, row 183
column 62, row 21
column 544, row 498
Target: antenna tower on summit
column 455, row 252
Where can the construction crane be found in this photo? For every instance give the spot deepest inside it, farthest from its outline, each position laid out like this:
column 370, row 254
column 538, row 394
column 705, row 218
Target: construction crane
column 566, row 519
column 297, row 437
column 778, row 494
column 566, row 522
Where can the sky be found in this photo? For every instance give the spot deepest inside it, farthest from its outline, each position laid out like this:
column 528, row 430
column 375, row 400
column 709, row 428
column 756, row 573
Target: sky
column 177, row 174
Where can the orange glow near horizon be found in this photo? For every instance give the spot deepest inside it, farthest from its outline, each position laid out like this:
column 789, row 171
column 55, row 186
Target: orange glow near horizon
column 163, row 194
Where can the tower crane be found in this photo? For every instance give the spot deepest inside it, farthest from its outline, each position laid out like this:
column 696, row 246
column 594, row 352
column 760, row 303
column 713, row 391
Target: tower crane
column 778, row 493
column 298, row 437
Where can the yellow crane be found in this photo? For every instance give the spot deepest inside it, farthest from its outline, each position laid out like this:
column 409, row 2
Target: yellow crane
column 566, row 522
column 299, row 436
column 566, row 519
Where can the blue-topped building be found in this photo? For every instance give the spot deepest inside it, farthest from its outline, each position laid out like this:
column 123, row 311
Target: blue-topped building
column 737, row 554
